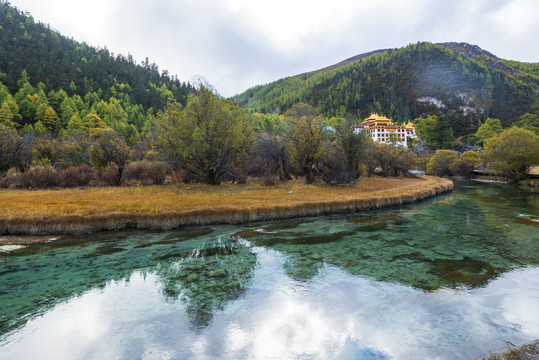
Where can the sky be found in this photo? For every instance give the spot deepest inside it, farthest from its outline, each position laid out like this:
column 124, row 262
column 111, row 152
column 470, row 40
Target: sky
column 238, row 44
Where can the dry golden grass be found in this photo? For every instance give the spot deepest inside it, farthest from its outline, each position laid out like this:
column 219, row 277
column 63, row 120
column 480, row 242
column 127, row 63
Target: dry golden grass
column 160, row 207
column 160, row 199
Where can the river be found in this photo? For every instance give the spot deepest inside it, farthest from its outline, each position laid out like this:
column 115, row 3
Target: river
column 448, row 278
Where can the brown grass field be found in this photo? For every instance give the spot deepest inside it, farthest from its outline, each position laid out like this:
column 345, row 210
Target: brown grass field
column 152, row 207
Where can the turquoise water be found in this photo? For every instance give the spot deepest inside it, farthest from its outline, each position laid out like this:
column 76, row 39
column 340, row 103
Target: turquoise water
column 448, row 278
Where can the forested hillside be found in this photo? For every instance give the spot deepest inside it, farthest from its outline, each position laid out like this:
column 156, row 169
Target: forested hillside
column 51, row 79
column 458, row 81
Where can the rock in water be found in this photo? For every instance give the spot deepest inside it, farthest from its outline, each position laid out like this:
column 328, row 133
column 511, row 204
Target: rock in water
column 218, row 273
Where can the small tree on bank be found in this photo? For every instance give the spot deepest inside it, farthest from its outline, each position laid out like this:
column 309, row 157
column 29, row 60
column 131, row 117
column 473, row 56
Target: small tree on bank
column 305, row 137
column 109, row 151
column 441, row 163
column 271, row 157
column 206, row 138
column 466, row 164
column 389, row 160
column 513, row 153
column 352, row 148
column 11, row 148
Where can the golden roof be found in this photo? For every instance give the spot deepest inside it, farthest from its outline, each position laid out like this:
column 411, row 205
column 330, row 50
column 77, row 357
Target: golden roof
column 374, row 116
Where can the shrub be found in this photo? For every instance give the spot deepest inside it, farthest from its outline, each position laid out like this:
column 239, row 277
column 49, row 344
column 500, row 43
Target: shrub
column 440, row 164
column 144, row 173
column 40, row 177
column 44, row 152
column 390, row 160
column 421, row 161
column 264, row 168
column 76, row 176
column 331, row 168
column 513, row 153
column 108, row 148
column 152, row 156
column 270, row 159
column 110, row 174
column 73, row 152
column 11, row 148
column 12, row 179
column 352, row 148
column 139, row 151
column 238, row 173
column 466, row 164
column 181, row 176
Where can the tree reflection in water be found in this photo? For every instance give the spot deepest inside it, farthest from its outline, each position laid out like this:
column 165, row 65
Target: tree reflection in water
column 208, row 278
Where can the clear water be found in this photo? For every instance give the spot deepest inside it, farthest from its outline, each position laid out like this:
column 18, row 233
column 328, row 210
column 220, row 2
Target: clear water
column 449, row 278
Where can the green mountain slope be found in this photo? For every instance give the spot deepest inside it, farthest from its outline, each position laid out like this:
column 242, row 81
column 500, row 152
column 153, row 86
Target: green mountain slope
column 455, row 80
column 53, row 62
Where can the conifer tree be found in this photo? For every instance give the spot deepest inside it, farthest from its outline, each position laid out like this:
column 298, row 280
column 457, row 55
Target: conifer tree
column 6, row 116
column 488, row 129
column 94, row 124
column 40, row 112
column 49, row 119
column 435, row 131
column 39, row 128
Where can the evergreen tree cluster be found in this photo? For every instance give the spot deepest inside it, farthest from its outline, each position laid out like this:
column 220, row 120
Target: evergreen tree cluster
column 48, row 80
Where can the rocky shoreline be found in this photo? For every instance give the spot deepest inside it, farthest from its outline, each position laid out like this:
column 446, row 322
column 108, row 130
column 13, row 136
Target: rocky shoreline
column 11, row 228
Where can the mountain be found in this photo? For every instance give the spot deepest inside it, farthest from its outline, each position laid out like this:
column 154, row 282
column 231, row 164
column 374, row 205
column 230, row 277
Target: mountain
column 456, row 80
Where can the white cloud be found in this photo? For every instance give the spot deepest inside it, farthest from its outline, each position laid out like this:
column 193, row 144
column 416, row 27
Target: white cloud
column 236, row 44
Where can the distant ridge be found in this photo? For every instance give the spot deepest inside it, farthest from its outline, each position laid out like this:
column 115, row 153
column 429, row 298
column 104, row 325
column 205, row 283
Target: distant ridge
column 456, row 80
column 348, row 61
column 463, row 48
column 466, row 49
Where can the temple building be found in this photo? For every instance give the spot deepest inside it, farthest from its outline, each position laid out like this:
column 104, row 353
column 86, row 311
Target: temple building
column 384, row 131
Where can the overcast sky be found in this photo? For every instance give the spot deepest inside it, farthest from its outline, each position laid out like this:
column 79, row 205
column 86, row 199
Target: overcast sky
column 237, row 44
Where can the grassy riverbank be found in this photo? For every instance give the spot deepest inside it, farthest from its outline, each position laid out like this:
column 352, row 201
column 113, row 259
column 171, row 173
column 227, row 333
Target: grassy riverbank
column 72, row 211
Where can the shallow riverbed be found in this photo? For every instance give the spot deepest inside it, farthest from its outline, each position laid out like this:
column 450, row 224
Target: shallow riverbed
column 449, row 278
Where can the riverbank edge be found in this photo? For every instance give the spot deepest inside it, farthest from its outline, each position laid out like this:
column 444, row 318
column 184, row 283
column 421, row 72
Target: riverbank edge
column 117, row 221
